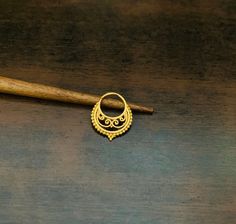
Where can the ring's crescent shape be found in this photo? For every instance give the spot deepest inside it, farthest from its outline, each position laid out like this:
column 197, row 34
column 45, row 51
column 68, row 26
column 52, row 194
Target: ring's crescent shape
column 111, row 126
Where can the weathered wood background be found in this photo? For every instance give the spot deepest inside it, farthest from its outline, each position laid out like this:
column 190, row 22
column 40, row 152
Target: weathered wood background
column 175, row 167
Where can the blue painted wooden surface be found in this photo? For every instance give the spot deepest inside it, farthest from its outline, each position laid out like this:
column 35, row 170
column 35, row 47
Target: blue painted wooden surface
column 177, row 166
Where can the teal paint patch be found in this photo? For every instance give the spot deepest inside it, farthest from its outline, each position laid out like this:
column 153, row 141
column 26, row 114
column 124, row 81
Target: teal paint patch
column 25, row 146
column 5, row 204
column 5, row 196
column 164, row 152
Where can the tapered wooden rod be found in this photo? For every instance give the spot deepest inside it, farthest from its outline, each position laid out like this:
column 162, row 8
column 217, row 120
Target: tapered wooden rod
column 22, row 88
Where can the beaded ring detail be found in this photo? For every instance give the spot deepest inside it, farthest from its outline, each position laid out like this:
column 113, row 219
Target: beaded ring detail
column 111, row 126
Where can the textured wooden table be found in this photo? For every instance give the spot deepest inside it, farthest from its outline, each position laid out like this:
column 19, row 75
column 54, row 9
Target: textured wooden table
column 175, row 167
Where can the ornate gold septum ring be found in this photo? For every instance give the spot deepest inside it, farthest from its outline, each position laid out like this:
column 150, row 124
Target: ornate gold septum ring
column 111, row 126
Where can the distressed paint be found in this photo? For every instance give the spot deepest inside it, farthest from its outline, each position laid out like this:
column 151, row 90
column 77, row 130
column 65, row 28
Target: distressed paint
column 177, row 166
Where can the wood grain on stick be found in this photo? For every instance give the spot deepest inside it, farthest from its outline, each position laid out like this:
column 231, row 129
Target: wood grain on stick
column 22, row 88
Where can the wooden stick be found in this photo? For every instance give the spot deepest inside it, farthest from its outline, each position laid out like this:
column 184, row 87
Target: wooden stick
column 22, row 88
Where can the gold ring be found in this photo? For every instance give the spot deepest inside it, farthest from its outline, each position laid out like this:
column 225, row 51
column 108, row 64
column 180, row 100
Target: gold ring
column 111, row 126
